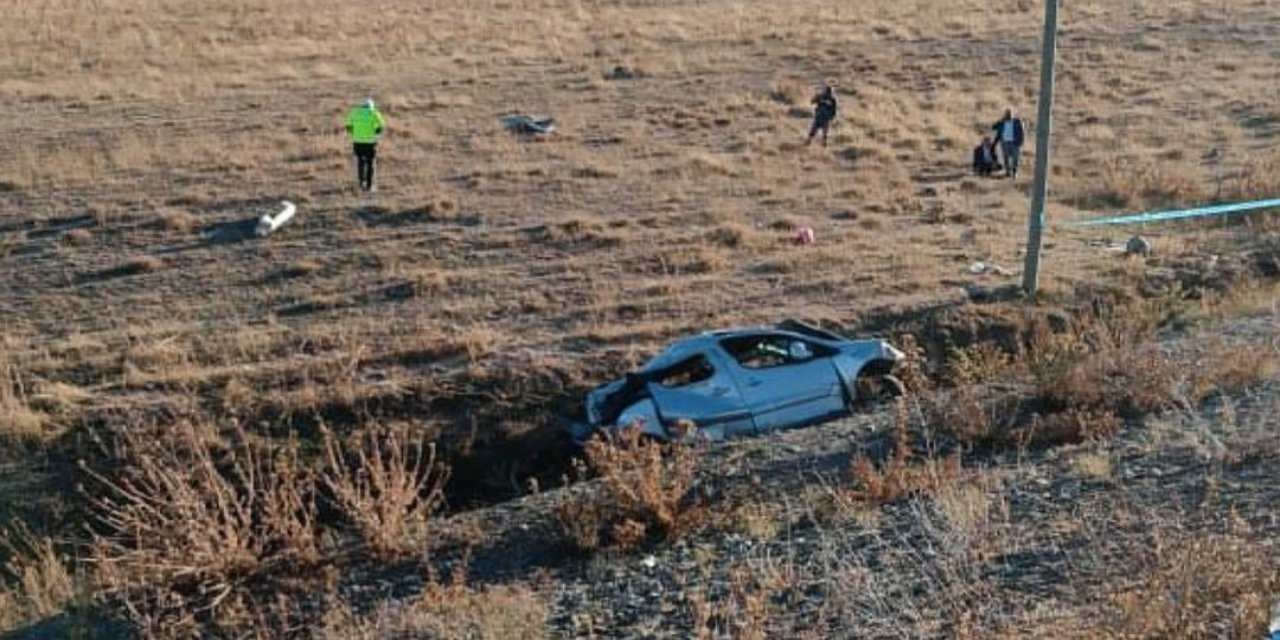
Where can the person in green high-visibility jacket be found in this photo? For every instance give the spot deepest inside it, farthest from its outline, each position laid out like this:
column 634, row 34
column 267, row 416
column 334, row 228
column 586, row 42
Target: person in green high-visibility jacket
column 365, row 124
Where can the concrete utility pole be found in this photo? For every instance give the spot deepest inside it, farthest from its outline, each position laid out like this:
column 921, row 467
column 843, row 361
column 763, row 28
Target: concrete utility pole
column 1044, row 123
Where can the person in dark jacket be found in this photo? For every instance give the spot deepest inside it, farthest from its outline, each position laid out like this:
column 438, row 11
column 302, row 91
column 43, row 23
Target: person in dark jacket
column 824, row 112
column 1010, row 133
column 986, row 159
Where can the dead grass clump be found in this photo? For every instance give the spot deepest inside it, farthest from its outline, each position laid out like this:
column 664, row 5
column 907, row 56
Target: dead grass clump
column 1229, row 370
column 18, row 420
column 1256, row 180
column 186, row 524
column 1125, row 185
column 300, row 269
column 138, row 266
column 453, row 610
column 34, row 583
column 732, row 235
column 175, row 221
column 580, row 231
column 77, row 237
column 385, row 481
column 647, row 492
column 1071, row 387
column 901, row 476
column 696, row 260
column 1195, row 586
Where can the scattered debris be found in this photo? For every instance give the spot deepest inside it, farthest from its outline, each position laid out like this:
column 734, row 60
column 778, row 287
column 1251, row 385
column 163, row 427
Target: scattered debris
column 268, row 224
column 528, row 124
column 621, row 72
column 804, row 236
column 979, row 268
column 1138, row 246
column 743, row 382
column 649, row 562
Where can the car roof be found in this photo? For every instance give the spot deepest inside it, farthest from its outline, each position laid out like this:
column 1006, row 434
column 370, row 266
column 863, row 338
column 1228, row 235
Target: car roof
column 692, row 345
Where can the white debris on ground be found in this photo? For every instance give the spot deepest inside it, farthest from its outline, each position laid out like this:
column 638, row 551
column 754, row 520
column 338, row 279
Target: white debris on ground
column 268, row 224
column 979, row 268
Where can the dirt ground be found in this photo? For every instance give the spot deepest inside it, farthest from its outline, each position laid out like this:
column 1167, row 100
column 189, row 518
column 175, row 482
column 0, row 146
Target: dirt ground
column 137, row 136
column 492, row 278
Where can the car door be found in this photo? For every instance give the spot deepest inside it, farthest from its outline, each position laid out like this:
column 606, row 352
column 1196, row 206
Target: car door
column 786, row 381
column 698, row 389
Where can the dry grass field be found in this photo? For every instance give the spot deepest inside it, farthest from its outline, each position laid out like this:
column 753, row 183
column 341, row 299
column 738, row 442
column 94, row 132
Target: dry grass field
column 492, row 278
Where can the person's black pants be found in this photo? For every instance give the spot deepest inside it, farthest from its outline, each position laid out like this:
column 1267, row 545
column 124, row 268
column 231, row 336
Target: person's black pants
column 820, row 124
column 366, row 154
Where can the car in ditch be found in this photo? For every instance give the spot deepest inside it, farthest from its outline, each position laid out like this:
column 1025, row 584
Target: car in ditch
column 743, row 382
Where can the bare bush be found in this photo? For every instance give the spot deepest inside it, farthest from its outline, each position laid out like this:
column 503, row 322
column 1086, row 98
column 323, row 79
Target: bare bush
column 901, row 476
column 647, row 492
column 452, row 610
column 1079, row 386
column 1211, row 585
column 185, row 522
column 34, row 582
column 18, row 421
column 384, row 480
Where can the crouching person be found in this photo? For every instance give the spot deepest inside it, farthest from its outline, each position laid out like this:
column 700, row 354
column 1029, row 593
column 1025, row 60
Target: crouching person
column 986, row 160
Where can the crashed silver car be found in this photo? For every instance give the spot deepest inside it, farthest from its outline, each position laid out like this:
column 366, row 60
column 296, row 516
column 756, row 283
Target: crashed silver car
column 743, row 382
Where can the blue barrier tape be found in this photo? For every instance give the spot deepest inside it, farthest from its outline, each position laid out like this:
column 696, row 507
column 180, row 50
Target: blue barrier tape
column 1178, row 214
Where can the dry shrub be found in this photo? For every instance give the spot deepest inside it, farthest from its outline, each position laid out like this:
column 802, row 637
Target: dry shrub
column 975, row 414
column 741, row 611
column 18, row 421
column 453, row 610
column 175, row 221
column 384, row 480
column 1078, row 386
column 701, row 259
column 647, row 492
column 1256, row 180
column 1195, row 586
column 143, row 264
column 34, row 583
column 1229, row 370
column 976, row 363
column 186, row 525
column 1125, row 185
column 77, row 237
column 901, row 476
column 1068, row 427
column 732, row 235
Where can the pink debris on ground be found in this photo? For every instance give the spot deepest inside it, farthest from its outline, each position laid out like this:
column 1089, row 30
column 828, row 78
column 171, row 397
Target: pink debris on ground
column 804, row 235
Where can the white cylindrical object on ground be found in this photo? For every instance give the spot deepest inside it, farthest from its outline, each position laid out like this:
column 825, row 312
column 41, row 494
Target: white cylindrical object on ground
column 268, row 224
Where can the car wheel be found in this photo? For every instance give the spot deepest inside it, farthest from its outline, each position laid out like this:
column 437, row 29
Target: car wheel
column 874, row 390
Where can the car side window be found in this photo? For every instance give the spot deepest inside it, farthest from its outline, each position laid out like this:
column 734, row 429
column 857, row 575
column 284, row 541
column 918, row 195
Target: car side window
column 766, row 351
column 686, row 372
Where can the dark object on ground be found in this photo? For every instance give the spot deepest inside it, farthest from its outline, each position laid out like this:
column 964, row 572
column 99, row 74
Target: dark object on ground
column 529, row 125
column 1138, row 246
column 743, row 382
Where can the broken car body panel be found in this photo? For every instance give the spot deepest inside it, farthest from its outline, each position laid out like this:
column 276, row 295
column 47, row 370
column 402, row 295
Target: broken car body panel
column 740, row 382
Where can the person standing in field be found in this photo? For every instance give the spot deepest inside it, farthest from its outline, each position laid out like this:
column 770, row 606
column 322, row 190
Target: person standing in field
column 825, row 107
column 1010, row 133
column 365, row 124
